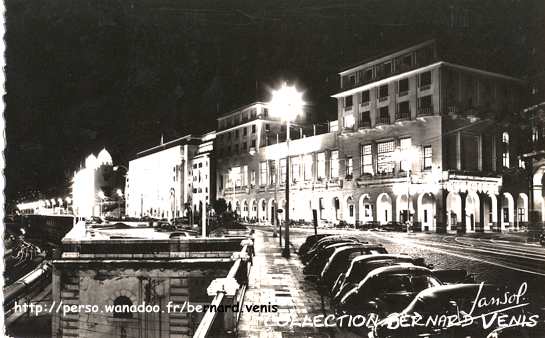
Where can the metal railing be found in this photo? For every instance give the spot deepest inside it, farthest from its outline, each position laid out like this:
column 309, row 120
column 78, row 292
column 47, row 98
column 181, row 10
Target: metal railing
column 239, row 271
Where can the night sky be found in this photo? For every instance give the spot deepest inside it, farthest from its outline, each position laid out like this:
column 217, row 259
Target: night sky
column 83, row 75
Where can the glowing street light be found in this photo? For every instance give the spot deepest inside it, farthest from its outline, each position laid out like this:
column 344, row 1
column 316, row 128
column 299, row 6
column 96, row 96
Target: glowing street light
column 287, row 103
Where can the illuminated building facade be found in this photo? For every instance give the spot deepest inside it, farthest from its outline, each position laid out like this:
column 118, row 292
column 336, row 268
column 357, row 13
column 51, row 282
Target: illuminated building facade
column 171, row 179
column 92, row 184
column 410, row 99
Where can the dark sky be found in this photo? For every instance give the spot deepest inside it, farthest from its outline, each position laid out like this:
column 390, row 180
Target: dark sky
column 82, row 75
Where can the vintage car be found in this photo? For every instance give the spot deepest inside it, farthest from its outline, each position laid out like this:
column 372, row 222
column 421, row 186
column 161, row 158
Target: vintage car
column 309, row 242
column 325, row 241
column 319, row 259
column 340, row 261
column 386, row 290
column 448, row 300
column 361, row 266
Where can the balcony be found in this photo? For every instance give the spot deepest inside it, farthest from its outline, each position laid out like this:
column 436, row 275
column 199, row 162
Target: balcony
column 348, row 108
column 364, row 104
column 382, row 99
column 424, row 111
column 425, row 87
column 383, row 120
column 403, row 116
column 452, row 109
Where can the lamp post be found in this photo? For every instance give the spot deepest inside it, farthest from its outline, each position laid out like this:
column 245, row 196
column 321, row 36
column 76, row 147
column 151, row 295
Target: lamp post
column 406, row 156
column 287, row 103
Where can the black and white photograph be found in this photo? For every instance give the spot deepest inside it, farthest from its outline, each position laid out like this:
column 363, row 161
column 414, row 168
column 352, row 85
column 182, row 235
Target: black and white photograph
column 274, row 169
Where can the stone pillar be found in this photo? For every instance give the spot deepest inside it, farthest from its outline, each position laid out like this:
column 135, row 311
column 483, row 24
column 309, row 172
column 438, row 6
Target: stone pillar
column 499, row 213
column 481, row 227
column 441, row 211
column 463, row 197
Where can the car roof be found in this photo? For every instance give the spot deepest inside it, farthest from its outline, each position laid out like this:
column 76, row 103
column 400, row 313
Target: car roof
column 379, row 257
column 392, row 269
column 453, row 290
column 356, row 245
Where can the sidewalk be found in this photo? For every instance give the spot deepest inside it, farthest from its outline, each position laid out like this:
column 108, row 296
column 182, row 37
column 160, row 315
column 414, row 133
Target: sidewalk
column 278, row 281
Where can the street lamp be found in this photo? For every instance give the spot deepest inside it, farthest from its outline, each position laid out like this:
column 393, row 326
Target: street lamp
column 406, row 157
column 287, row 103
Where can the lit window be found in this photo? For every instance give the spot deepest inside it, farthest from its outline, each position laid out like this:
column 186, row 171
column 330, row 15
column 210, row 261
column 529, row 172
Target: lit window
column 307, row 170
column 283, row 171
column 295, row 168
column 334, row 164
column 505, row 137
column 427, row 157
column 366, row 159
column 405, row 144
column 505, row 159
column 349, row 168
column 263, row 173
column 349, row 121
column 385, row 157
column 535, row 134
column 522, row 164
column 321, row 165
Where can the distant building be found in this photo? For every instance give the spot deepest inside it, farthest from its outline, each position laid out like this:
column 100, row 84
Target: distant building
column 95, row 182
column 171, row 179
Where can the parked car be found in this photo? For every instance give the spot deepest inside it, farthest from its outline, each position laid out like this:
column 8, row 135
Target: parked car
column 325, row 241
column 179, row 234
column 361, row 266
column 449, row 300
column 386, row 290
column 395, row 226
column 319, row 259
column 340, row 261
column 309, row 242
column 370, row 225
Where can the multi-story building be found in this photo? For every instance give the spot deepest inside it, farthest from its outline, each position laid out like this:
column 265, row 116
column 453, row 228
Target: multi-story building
column 413, row 101
column 158, row 182
column 203, row 184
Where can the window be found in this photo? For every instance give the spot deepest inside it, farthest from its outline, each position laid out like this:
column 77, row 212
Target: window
column 403, row 110
column 368, row 75
column 267, row 127
column 349, row 121
column 535, row 134
column 425, row 106
column 403, row 87
column 348, row 167
column 348, row 102
column 427, row 157
column 263, row 173
column 236, row 133
column 505, row 155
column 253, row 143
column 244, row 146
column 244, row 178
column 245, row 131
column 407, row 60
column 425, row 80
column 505, row 159
column 273, row 172
column 522, row 164
column 282, row 171
column 364, row 97
column 505, row 137
column 385, row 157
column 366, row 159
column 334, row 164
column 384, row 115
column 307, row 167
column 383, row 92
column 405, row 144
column 295, row 168
column 387, row 68
column 321, row 165
column 506, row 215
column 253, row 129
column 365, row 119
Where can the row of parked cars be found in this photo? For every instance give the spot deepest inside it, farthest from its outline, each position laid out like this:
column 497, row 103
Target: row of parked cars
column 363, row 279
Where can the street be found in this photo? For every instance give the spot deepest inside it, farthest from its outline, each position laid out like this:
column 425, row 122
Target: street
column 490, row 261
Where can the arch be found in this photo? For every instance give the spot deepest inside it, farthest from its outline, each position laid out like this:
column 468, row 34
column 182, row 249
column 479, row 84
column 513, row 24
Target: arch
column 401, row 204
column 454, row 210
column 384, row 208
column 236, row 204
column 426, row 206
column 521, row 217
column 538, row 184
column 121, row 307
column 262, row 209
column 271, row 205
column 472, row 211
column 253, row 209
column 350, row 211
column 365, row 209
column 244, row 211
column 336, row 208
column 507, row 210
